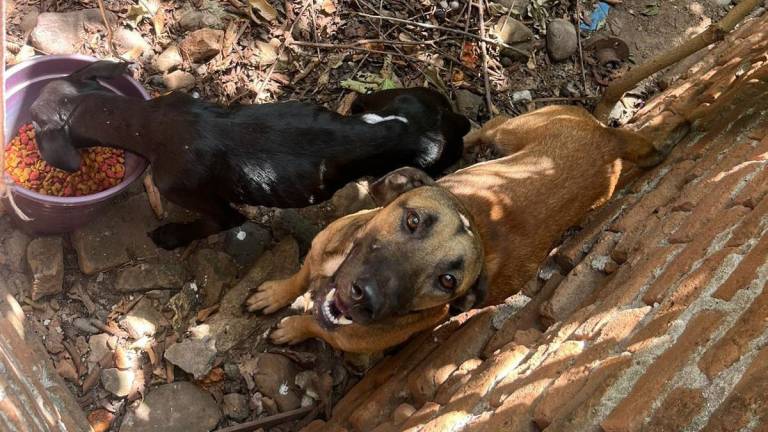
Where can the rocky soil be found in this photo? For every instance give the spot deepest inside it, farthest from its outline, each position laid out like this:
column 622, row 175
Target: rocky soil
column 155, row 340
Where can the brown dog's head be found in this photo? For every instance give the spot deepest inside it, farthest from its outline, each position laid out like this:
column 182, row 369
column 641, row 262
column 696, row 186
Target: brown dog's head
column 417, row 252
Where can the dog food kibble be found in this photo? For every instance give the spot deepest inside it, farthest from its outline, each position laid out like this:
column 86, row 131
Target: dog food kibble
column 101, row 168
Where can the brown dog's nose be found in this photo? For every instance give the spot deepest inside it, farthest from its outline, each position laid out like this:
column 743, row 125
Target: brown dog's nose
column 367, row 297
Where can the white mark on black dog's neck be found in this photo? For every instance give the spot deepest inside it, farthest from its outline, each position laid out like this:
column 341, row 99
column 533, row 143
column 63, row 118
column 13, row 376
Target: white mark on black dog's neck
column 375, row 118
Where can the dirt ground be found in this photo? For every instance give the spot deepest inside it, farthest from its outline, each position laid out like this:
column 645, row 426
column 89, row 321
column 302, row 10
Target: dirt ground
column 334, row 50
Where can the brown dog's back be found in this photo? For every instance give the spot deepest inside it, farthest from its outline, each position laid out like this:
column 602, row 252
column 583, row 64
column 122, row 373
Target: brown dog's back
column 560, row 162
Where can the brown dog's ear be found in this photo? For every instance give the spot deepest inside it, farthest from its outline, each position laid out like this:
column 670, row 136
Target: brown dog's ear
column 386, row 189
column 474, row 297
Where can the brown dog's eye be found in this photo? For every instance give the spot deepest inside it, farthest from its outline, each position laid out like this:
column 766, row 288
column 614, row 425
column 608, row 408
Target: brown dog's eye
column 412, row 220
column 448, row 282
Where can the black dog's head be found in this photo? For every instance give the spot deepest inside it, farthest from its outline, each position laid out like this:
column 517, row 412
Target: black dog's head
column 429, row 110
column 55, row 105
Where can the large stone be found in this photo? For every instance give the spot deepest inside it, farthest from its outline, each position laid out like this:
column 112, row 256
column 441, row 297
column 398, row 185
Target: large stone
column 246, row 243
column 202, row 45
column 178, row 79
column 177, row 407
column 118, row 382
column 116, row 236
column 168, row 59
column 46, row 260
column 143, row 320
column 214, row 271
column 65, row 32
column 231, row 325
column 150, row 276
column 194, row 356
column 15, row 250
column 562, row 39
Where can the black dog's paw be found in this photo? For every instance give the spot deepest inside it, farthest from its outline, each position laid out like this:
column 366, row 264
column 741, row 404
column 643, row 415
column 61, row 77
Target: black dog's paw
column 169, row 236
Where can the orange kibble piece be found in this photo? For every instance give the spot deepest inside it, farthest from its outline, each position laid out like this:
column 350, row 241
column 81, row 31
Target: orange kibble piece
column 101, row 168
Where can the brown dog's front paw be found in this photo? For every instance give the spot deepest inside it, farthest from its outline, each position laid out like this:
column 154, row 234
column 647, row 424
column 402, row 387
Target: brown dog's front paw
column 270, row 297
column 292, row 330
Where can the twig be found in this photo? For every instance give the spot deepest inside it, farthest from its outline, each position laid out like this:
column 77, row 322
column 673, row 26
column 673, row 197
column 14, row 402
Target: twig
column 75, row 355
column 108, row 27
column 446, row 29
column 486, row 81
column 269, row 421
column 358, row 48
column 581, row 51
column 714, row 33
column 280, row 51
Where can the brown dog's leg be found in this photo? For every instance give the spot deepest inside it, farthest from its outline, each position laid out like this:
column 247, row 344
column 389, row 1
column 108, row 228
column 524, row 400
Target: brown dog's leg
column 276, row 294
column 357, row 338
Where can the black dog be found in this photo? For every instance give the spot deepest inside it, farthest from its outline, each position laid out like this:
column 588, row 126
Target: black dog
column 211, row 159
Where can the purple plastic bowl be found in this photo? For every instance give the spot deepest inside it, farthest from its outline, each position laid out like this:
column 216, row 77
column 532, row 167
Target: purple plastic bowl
column 50, row 214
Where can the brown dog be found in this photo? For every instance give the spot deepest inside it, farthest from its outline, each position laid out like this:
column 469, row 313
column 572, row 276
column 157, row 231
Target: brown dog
column 472, row 238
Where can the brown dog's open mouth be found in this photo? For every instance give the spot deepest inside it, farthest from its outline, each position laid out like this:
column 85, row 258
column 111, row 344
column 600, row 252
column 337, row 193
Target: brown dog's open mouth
column 330, row 310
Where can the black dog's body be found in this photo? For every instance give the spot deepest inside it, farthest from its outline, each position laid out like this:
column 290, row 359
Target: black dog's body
column 210, row 159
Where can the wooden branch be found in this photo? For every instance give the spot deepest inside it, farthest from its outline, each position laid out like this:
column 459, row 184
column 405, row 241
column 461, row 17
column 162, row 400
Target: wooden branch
column 716, row 32
column 484, row 52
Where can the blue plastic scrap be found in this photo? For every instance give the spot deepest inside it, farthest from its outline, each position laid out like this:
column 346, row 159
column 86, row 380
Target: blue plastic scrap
column 598, row 17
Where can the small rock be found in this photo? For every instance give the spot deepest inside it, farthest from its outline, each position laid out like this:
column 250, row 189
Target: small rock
column 511, row 31
column 85, row 326
column 65, row 32
column 177, row 407
column 99, row 346
column 100, row 420
column 143, row 320
column 168, row 59
column 468, row 103
column 235, row 406
column 131, row 40
column 202, row 45
column 192, row 19
column 149, row 276
column 178, row 80
column 246, row 243
column 46, row 259
column 214, row 271
column 14, row 248
column 523, row 96
column 562, row 39
column 194, row 356
column 66, row 369
column 516, row 34
column 116, row 381
column 274, row 378
column 352, row 198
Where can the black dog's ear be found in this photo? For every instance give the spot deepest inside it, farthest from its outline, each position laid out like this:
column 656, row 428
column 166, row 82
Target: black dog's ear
column 101, row 69
column 56, row 149
column 474, row 297
column 386, row 189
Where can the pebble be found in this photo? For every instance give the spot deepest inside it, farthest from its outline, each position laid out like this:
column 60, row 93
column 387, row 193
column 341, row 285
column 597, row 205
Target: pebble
column 202, row 45
column 143, row 320
column 169, row 59
column 178, row 79
column 562, row 39
column 468, row 103
column 194, row 356
column 522, row 96
column 85, row 326
column 116, row 381
column 235, row 406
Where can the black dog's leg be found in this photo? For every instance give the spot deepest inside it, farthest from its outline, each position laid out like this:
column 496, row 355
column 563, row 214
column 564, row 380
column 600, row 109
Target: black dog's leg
column 173, row 235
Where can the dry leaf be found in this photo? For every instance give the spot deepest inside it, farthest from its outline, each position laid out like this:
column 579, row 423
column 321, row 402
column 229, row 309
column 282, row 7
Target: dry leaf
column 265, row 9
column 469, row 55
column 329, row 6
